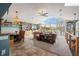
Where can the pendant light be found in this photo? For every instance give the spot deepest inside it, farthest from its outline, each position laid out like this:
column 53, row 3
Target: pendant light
column 16, row 19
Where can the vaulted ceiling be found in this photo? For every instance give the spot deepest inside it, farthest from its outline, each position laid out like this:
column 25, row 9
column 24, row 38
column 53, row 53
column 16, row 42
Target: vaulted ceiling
column 3, row 8
column 28, row 11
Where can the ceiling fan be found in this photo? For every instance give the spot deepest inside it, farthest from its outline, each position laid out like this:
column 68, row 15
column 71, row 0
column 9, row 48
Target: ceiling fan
column 43, row 12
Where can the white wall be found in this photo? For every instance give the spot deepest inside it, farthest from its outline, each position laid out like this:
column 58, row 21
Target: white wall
column 28, row 12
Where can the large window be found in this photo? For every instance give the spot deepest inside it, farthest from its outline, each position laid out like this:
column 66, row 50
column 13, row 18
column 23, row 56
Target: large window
column 56, row 24
column 10, row 28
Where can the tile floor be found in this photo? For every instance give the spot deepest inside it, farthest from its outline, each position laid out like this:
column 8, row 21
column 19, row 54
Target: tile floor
column 28, row 49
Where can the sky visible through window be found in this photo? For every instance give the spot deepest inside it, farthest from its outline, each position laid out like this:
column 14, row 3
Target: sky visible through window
column 52, row 21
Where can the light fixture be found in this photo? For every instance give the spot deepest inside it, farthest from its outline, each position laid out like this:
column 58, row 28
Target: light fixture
column 16, row 19
column 75, row 16
column 42, row 12
column 60, row 13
